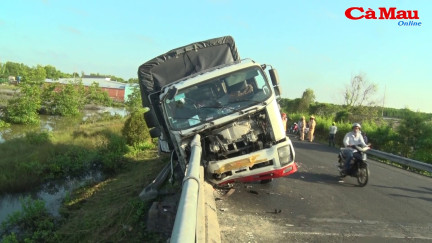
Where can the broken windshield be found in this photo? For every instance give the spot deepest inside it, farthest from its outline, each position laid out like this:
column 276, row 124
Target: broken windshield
column 215, row 98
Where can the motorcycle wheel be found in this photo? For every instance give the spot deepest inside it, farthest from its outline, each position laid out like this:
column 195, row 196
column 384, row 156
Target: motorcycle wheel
column 363, row 176
column 341, row 166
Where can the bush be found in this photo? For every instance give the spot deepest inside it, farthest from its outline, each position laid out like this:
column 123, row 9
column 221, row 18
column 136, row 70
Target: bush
column 33, row 224
column 112, row 153
column 4, row 124
column 64, row 100
column 135, row 130
column 71, row 161
column 23, row 108
column 37, row 138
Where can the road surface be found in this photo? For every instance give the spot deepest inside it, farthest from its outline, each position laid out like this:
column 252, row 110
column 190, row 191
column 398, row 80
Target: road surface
column 313, row 205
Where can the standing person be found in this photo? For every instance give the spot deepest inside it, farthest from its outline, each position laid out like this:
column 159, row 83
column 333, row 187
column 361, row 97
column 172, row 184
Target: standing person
column 332, row 134
column 295, row 128
column 352, row 138
column 302, row 125
column 312, row 125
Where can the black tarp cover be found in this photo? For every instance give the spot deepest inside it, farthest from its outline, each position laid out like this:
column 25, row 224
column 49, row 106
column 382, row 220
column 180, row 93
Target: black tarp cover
column 184, row 61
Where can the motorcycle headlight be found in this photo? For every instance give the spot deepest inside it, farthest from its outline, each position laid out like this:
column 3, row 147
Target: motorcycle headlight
column 284, row 155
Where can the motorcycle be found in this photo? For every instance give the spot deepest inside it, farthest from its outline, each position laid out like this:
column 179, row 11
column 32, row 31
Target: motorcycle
column 358, row 167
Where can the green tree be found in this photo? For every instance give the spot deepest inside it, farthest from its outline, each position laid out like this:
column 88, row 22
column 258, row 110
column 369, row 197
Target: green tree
column 69, row 101
column 416, row 132
column 324, row 109
column 2, row 70
column 306, row 100
column 52, row 72
column 63, row 99
column 133, row 80
column 134, row 102
column 23, row 109
column 95, row 95
column 37, row 74
column 15, row 69
column 342, row 116
column 289, row 106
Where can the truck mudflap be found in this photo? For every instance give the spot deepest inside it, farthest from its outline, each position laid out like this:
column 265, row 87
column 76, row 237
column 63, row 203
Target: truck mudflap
column 284, row 171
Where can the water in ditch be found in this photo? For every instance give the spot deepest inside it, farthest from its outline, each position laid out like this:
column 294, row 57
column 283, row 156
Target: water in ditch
column 52, row 193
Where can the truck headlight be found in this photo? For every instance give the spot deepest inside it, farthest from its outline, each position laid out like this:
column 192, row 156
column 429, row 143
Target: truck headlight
column 284, row 155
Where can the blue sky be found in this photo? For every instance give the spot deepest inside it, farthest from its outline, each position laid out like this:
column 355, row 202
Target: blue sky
column 311, row 43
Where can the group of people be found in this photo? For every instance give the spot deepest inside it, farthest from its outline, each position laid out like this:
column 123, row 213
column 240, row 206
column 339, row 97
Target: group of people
column 352, row 138
column 305, row 129
column 310, row 126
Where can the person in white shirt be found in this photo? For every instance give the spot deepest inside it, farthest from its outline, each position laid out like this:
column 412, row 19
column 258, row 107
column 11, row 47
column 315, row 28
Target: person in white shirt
column 352, row 138
column 332, row 134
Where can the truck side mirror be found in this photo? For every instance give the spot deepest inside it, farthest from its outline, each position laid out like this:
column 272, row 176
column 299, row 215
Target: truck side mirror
column 275, row 81
column 155, row 132
column 151, row 119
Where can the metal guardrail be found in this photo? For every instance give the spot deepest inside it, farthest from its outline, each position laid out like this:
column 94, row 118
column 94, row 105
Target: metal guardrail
column 401, row 160
column 186, row 224
column 186, row 219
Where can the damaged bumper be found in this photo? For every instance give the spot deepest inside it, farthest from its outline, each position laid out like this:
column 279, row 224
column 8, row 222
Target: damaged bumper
column 274, row 162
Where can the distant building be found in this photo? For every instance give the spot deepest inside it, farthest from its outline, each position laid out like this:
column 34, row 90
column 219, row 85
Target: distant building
column 116, row 90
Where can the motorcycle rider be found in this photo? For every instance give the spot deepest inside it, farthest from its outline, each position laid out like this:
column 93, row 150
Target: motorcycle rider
column 352, row 138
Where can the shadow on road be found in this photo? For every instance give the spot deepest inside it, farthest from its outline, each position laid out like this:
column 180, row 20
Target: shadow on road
column 425, row 191
column 325, row 179
column 318, row 178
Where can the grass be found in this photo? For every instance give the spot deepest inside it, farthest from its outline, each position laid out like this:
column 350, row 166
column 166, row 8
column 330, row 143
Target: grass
column 108, row 211
column 111, row 211
column 41, row 156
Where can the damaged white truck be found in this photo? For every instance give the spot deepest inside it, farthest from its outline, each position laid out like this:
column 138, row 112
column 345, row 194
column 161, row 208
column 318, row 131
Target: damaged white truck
column 206, row 88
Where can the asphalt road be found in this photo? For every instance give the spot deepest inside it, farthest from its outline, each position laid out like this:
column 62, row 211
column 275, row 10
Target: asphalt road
column 313, row 205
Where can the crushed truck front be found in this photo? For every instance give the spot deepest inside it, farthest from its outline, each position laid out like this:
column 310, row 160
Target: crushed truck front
column 234, row 109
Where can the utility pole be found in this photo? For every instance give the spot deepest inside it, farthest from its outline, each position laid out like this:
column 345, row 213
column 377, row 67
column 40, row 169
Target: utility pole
column 382, row 111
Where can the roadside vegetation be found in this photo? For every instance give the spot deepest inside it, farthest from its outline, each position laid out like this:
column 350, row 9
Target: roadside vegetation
column 120, row 147
column 110, row 210
column 398, row 131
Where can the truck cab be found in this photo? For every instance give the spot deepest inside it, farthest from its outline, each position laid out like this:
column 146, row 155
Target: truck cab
column 233, row 106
